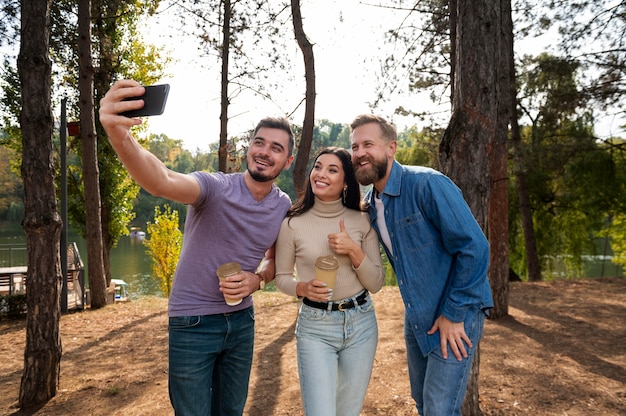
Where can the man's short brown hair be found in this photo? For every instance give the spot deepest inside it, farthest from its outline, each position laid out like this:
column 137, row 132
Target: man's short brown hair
column 389, row 132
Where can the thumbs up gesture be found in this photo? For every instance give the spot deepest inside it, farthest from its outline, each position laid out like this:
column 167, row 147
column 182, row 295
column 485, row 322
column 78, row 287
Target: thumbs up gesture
column 340, row 242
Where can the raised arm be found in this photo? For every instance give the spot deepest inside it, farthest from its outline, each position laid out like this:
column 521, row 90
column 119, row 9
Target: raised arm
column 145, row 168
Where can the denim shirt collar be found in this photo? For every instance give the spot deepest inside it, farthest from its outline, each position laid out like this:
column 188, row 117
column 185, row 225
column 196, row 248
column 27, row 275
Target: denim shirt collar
column 392, row 187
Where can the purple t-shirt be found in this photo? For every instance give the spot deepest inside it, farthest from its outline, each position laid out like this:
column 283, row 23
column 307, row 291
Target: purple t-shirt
column 225, row 224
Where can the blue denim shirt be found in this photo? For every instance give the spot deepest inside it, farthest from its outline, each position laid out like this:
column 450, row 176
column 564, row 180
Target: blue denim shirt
column 440, row 254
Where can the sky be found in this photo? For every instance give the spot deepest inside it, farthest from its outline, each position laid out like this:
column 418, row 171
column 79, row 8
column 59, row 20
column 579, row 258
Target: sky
column 347, row 35
column 348, row 38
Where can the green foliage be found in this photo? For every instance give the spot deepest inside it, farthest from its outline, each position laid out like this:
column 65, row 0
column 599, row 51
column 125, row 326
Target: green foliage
column 390, row 276
column 11, row 188
column 618, row 240
column 418, row 147
column 164, row 244
column 574, row 181
column 13, row 306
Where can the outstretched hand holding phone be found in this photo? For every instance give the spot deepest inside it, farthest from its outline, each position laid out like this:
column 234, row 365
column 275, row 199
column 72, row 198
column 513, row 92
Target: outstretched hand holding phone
column 147, row 170
column 154, row 100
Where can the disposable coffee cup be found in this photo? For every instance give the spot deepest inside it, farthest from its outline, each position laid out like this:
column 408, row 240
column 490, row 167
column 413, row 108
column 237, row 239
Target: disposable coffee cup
column 326, row 270
column 227, row 270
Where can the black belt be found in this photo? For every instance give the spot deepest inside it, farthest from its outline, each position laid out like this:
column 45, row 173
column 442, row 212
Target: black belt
column 337, row 306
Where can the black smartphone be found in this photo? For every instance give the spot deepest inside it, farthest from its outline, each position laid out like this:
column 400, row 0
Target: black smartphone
column 154, row 100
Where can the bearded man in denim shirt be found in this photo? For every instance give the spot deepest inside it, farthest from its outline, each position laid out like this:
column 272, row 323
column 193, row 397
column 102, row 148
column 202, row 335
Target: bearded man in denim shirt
column 440, row 257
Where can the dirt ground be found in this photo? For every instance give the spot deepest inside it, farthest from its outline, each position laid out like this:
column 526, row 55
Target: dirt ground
column 562, row 351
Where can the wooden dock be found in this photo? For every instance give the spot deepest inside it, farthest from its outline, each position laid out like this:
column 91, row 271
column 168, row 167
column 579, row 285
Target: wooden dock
column 13, row 279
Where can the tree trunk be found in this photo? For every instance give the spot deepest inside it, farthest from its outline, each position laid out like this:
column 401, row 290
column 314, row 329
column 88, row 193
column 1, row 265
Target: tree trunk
column 225, row 101
column 498, row 219
column 473, row 127
column 97, row 279
column 104, row 29
column 526, row 213
column 306, row 138
column 42, row 223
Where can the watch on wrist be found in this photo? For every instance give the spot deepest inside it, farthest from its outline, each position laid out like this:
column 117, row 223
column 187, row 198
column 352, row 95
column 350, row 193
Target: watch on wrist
column 261, row 282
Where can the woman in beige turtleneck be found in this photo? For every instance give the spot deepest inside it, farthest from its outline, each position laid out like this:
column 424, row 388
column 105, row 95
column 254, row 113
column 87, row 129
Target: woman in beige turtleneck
column 336, row 334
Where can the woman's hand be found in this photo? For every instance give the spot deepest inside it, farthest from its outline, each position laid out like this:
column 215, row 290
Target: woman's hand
column 342, row 243
column 315, row 290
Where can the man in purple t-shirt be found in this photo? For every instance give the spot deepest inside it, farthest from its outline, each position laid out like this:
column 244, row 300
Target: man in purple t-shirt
column 234, row 217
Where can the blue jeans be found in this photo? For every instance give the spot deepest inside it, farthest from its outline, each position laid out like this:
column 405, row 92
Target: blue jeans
column 438, row 385
column 210, row 358
column 335, row 356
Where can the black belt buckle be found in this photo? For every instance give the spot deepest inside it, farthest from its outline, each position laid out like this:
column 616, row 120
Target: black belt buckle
column 345, row 306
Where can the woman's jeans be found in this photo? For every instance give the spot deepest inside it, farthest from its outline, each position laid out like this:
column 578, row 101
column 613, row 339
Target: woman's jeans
column 438, row 385
column 335, row 356
column 210, row 358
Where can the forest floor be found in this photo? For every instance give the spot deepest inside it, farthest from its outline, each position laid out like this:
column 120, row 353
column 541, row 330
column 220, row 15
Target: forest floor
column 561, row 351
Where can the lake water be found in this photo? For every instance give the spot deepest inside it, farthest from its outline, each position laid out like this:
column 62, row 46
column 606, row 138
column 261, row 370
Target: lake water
column 129, row 261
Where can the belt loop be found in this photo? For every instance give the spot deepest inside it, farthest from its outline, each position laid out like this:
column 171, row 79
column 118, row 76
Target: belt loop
column 329, row 308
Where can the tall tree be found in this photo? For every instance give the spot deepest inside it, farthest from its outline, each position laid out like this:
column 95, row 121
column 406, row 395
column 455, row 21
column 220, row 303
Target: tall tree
column 475, row 124
column 120, row 53
column 95, row 248
column 224, row 99
column 306, row 137
column 498, row 212
column 545, row 151
column 42, row 223
column 250, row 45
column 592, row 33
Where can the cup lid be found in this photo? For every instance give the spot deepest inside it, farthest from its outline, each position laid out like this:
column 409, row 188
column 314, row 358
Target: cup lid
column 228, row 269
column 327, row 263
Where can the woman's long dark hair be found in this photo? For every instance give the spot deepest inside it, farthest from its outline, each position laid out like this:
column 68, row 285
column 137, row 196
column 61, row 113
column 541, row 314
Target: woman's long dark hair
column 352, row 198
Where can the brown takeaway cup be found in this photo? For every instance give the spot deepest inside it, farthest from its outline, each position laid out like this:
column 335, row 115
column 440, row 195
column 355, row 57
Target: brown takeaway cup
column 326, row 270
column 226, row 270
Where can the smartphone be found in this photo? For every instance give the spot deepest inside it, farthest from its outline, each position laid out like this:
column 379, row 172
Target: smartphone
column 154, row 100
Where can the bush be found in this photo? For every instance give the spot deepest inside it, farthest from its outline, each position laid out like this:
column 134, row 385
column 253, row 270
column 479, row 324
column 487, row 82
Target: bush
column 164, row 246
column 12, row 306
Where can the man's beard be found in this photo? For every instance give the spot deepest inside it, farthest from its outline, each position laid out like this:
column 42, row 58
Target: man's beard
column 261, row 177
column 375, row 171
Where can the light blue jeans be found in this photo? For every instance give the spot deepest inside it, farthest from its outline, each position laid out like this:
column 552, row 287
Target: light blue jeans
column 210, row 358
column 335, row 357
column 438, row 385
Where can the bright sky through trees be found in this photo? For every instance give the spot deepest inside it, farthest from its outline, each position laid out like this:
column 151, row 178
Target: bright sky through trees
column 348, row 39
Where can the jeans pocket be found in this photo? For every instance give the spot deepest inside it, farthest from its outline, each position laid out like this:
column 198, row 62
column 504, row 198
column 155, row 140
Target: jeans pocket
column 251, row 313
column 311, row 314
column 182, row 322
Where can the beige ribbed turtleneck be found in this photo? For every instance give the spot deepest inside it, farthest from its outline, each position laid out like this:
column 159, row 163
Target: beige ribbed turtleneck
column 305, row 237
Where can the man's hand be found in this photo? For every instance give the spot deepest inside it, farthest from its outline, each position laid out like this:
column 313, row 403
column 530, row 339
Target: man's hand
column 112, row 104
column 452, row 333
column 240, row 285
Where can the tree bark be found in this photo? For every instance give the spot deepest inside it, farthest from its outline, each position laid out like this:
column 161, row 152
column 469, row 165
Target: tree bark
column 473, row 128
column 97, row 278
column 526, row 213
column 498, row 218
column 42, row 222
column 104, row 29
column 306, row 138
column 225, row 101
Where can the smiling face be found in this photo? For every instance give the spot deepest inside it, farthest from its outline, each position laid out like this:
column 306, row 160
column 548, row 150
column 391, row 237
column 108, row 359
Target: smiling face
column 327, row 178
column 268, row 154
column 372, row 155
